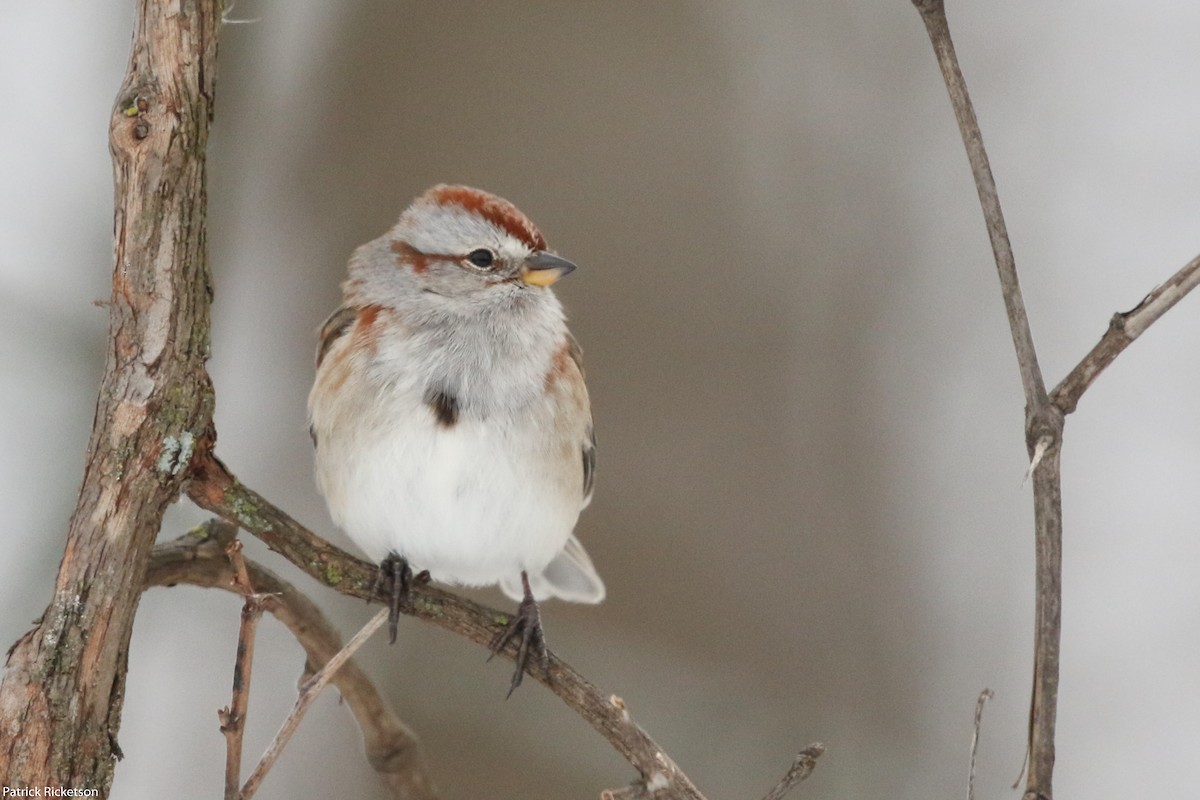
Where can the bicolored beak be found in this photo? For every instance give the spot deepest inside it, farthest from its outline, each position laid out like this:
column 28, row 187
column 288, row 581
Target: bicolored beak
column 543, row 269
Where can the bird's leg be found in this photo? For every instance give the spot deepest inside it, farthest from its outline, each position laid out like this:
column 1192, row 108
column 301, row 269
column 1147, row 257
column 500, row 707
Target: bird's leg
column 394, row 572
column 527, row 625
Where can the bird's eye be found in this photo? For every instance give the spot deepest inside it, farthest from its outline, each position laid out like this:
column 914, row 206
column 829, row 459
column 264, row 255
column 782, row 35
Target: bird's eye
column 482, row 257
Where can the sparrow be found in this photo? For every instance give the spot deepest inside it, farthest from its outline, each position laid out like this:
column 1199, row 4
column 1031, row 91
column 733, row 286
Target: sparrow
column 450, row 420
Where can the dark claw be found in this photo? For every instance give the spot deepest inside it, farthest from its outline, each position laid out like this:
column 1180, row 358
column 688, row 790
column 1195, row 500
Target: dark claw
column 394, row 572
column 526, row 627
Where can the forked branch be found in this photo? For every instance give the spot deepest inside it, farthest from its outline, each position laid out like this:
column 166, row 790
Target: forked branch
column 1043, row 421
column 1044, row 415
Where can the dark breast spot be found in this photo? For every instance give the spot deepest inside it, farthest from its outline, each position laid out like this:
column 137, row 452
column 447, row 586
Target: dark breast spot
column 444, row 405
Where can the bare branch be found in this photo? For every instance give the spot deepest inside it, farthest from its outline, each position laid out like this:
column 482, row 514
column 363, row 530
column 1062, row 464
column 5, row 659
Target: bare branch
column 1045, row 415
column 1043, row 710
column 1043, row 420
column 1123, row 328
column 213, row 487
column 241, row 577
column 933, row 13
column 198, row 559
column 802, row 767
column 308, row 693
column 980, row 702
column 233, row 718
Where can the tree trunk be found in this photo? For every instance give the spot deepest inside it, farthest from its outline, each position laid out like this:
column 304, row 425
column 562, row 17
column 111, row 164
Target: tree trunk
column 61, row 696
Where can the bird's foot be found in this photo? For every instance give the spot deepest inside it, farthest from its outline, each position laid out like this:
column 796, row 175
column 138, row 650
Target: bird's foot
column 526, row 628
column 395, row 574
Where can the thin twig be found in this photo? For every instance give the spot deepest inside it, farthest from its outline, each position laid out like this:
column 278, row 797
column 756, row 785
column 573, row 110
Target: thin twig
column 802, row 767
column 198, row 559
column 1043, row 420
column 1122, row 330
column 1043, row 702
column 933, row 13
column 308, row 693
column 984, row 696
column 241, row 577
column 233, row 717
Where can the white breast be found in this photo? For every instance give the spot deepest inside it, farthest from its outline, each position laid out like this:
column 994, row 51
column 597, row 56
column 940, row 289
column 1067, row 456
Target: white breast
column 476, row 502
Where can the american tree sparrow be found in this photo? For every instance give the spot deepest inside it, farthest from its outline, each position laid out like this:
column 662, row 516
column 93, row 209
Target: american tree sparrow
column 449, row 414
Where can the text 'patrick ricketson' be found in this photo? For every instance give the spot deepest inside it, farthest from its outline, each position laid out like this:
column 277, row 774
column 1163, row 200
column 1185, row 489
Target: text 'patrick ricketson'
column 47, row 791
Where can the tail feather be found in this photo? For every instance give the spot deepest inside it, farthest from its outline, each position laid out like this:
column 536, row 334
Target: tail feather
column 570, row 576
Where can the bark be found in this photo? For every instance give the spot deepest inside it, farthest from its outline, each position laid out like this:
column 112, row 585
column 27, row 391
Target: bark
column 61, row 696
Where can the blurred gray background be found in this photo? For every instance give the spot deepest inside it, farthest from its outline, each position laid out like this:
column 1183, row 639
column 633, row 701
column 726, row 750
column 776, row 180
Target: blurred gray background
column 810, row 510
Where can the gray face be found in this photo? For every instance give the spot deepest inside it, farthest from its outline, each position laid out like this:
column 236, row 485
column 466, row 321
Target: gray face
column 458, row 251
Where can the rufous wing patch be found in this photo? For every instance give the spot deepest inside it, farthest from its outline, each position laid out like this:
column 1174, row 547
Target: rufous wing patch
column 569, row 355
column 367, row 328
column 560, row 362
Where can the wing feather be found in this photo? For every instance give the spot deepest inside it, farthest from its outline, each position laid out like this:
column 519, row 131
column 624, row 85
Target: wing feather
column 334, row 328
column 589, row 442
